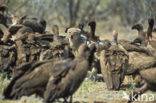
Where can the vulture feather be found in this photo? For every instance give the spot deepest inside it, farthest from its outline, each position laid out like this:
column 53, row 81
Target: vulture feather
column 114, row 63
column 51, row 79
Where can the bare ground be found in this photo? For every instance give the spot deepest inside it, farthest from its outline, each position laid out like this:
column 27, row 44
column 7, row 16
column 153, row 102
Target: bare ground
column 89, row 92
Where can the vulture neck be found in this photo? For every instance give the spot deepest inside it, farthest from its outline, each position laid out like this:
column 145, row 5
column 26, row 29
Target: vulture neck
column 56, row 35
column 140, row 32
column 92, row 33
column 91, row 57
column 115, row 40
column 149, row 31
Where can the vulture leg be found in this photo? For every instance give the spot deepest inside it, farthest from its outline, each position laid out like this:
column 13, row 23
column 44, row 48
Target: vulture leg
column 136, row 93
column 71, row 99
column 65, row 100
column 48, row 95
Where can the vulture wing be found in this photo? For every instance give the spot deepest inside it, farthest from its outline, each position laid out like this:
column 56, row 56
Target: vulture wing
column 114, row 63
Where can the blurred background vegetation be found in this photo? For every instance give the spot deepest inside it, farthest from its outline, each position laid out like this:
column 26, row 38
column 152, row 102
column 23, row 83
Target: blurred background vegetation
column 111, row 13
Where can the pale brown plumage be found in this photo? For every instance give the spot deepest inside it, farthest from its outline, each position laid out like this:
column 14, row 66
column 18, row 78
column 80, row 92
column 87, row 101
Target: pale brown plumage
column 75, row 39
column 139, row 58
column 114, row 63
column 149, row 76
column 58, row 48
column 35, row 25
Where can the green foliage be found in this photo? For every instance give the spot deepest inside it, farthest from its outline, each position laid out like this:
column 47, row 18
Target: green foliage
column 131, row 89
column 3, row 83
column 57, row 11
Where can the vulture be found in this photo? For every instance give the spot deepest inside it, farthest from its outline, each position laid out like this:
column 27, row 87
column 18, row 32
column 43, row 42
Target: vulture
column 142, row 37
column 92, row 36
column 146, row 39
column 75, row 39
column 65, row 82
column 57, row 36
column 139, row 58
column 150, row 28
column 5, row 33
column 50, row 79
column 114, row 63
column 19, row 39
column 93, row 39
column 15, row 19
column 83, row 33
column 58, row 48
column 149, row 76
column 30, row 78
column 34, row 24
column 8, row 58
column 3, row 8
column 14, row 28
column 151, row 35
column 81, row 26
column 3, row 20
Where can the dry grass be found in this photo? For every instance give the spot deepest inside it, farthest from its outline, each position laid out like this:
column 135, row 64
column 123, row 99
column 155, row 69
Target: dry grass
column 89, row 92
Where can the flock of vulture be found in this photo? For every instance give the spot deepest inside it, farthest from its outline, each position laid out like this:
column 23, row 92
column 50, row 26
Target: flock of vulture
column 52, row 66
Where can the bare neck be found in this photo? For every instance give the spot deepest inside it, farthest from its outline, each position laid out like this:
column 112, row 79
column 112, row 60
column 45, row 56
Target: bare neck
column 92, row 33
column 140, row 32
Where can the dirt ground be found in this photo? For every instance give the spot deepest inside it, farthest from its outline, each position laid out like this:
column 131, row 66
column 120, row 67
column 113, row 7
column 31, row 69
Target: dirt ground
column 89, row 92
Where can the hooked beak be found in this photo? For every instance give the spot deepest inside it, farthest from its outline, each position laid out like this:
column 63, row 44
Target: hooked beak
column 133, row 27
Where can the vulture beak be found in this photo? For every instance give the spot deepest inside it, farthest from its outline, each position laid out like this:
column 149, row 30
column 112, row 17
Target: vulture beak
column 137, row 40
column 133, row 27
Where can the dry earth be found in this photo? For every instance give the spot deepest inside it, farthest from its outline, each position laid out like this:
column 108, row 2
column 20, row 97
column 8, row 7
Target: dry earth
column 89, row 92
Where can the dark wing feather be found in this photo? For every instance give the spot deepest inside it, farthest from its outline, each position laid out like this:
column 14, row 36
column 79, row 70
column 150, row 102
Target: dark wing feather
column 21, row 78
column 59, row 71
column 114, row 63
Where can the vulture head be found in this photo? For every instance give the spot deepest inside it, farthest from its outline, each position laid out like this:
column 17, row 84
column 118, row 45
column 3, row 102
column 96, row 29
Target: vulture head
column 92, row 24
column 74, row 38
column 3, row 8
column 115, row 38
column 55, row 29
column 151, row 22
column 73, row 33
column 137, row 26
column 81, row 26
column 15, row 19
column 43, row 23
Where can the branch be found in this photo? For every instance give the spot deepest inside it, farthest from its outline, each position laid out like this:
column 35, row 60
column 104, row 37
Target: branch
column 76, row 11
column 71, row 11
column 21, row 6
